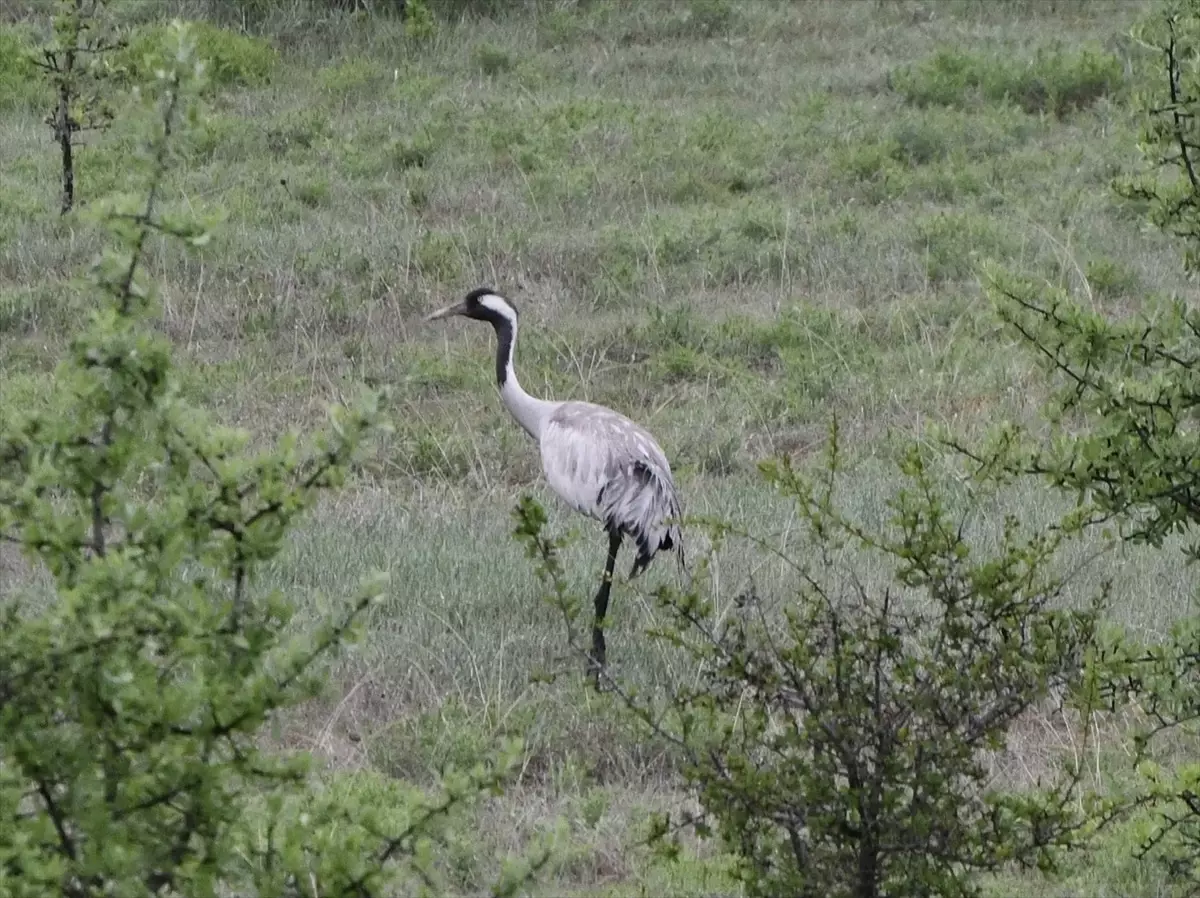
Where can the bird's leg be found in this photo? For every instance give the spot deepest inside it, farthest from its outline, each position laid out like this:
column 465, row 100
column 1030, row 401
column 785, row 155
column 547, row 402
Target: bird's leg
column 597, row 660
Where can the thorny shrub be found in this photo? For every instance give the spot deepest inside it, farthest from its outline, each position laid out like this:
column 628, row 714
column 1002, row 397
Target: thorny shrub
column 134, row 688
column 835, row 735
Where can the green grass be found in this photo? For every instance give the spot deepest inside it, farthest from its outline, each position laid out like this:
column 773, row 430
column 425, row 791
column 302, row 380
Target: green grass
column 728, row 220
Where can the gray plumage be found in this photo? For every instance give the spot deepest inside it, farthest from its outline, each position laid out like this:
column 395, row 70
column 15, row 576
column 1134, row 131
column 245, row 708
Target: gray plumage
column 598, row 461
column 609, row 468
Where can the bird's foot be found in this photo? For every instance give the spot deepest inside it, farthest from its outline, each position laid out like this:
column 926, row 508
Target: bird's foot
column 596, row 658
column 592, row 671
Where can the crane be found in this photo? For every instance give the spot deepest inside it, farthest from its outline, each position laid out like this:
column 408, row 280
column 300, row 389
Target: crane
column 599, row 462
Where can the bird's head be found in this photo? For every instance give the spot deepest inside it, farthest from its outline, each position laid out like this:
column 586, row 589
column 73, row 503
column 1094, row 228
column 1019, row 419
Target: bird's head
column 482, row 304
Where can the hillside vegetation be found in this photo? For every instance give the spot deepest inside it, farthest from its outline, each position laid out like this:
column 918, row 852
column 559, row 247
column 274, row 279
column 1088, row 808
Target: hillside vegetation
column 732, row 221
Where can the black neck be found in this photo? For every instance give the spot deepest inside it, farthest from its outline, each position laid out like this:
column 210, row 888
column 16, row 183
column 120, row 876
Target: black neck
column 504, row 349
column 505, row 337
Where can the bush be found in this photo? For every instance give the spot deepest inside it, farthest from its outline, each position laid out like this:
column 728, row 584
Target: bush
column 1131, row 389
column 1056, row 81
column 1108, row 277
column 133, row 694
column 950, row 244
column 230, row 59
column 835, row 737
column 19, row 88
column 75, row 62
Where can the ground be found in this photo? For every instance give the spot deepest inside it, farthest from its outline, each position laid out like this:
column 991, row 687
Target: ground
column 730, row 221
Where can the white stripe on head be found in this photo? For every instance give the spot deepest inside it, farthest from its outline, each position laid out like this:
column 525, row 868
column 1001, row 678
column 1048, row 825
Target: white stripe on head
column 499, row 305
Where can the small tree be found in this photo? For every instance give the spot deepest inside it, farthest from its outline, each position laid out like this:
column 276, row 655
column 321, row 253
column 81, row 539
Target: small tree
column 837, row 737
column 132, row 696
column 1131, row 389
column 73, row 61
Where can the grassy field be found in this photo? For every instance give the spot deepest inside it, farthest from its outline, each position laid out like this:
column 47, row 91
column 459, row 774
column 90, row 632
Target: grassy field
column 728, row 220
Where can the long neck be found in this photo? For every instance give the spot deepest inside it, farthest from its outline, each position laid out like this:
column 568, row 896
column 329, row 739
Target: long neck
column 530, row 413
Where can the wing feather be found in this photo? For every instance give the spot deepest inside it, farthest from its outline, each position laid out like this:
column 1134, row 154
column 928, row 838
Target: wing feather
column 606, row 466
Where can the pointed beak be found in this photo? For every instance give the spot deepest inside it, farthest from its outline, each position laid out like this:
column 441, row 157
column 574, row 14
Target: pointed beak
column 447, row 312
